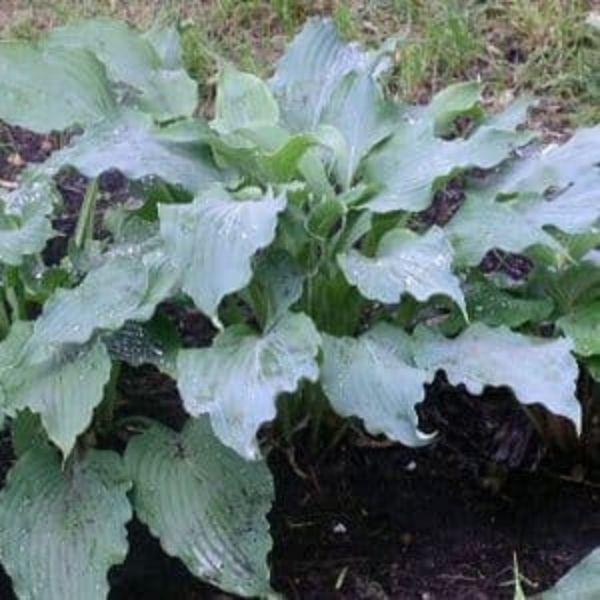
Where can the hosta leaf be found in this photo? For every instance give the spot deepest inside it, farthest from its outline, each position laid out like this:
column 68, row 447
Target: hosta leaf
column 212, row 241
column 238, row 378
column 593, row 366
column 163, row 279
column 578, row 284
column 582, row 582
column 575, row 211
column 556, row 167
column 358, row 110
column 313, row 64
column 24, row 219
column 415, row 161
column 205, row 504
column 47, row 89
column 277, row 285
column 243, row 101
column 62, row 529
column 374, row 378
column 482, row 224
column 583, row 327
column 27, row 431
column 282, row 164
column 330, row 292
column 134, row 145
column 494, row 307
column 166, row 42
column 324, row 217
column 107, row 297
column 132, row 60
column 405, row 263
column 539, row 371
column 517, row 222
column 460, row 99
column 270, row 157
column 64, row 389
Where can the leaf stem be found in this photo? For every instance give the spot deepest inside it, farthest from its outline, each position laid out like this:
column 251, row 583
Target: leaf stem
column 4, row 318
column 14, row 293
column 84, row 230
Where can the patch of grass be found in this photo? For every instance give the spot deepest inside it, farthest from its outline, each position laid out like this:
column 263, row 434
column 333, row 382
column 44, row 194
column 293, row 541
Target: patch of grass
column 541, row 46
column 346, row 22
column 443, row 43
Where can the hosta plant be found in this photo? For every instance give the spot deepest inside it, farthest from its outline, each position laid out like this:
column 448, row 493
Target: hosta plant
column 309, row 221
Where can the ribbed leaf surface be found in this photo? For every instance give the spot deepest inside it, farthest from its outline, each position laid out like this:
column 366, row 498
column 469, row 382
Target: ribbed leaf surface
column 132, row 61
column 62, row 529
column 47, row 89
column 206, row 505
column 416, row 161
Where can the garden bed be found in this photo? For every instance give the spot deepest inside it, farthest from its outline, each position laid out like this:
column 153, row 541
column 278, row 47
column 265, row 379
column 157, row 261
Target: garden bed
column 369, row 519
column 355, row 516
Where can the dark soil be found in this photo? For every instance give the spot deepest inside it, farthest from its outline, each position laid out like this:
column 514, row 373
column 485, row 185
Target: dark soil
column 366, row 519
column 370, row 520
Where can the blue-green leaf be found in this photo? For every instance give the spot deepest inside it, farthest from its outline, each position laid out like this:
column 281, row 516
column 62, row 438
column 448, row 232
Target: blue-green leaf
column 405, row 263
column 212, row 241
column 238, row 378
column 205, row 504
column 47, row 89
column 61, row 529
column 539, row 371
column 374, row 378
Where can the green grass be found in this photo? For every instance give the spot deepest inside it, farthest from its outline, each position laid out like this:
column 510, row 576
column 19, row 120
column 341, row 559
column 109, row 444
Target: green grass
column 540, row 46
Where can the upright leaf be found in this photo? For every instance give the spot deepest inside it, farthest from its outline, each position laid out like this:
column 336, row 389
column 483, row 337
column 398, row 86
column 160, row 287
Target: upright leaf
column 166, row 42
column 238, row 378
column 212, row 241
column 539, row 371
column 243, row 101
column 374, row 378
column 277, row 285
column 454, row 101
column 311, row 67
column 62, row 529
column 206, row 505
column 47, row 89
column 358, row 110
column 405, row 263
